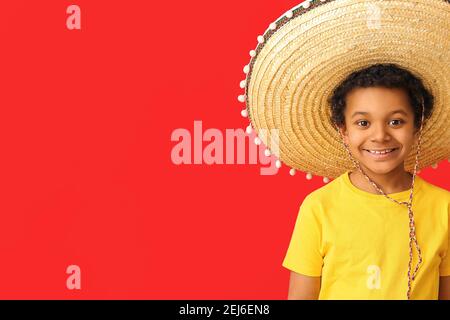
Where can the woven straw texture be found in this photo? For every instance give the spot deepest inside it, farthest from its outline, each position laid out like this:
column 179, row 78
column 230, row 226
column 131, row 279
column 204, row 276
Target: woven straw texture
column 299, row 64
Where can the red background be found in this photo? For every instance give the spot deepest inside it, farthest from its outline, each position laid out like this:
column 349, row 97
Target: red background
column 86, row 174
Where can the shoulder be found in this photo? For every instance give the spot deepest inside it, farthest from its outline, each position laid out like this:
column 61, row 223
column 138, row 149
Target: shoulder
column 327, row 191
column 324, row 195
column 436, row 193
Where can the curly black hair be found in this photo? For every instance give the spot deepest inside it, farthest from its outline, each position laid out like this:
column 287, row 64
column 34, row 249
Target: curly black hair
column 386, row 76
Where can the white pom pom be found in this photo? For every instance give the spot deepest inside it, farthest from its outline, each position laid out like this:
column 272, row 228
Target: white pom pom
column 252, row 53
column 267, row 153
column 246, row 69
column 326, row 180
column 243, row 84
column 257, row 141
column 278, row 164
column 434, row 166
column 249, row 129
column 309, row 176
column 241, row 98
column 289, row 14
column 261, row 39
column 244, row 113
column 306, row 4
column 292, row 172
column 273, row 26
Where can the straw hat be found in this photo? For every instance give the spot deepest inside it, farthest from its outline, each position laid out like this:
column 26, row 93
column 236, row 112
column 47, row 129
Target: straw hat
column 305, row 54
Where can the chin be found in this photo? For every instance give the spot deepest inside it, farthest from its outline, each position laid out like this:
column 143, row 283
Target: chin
column 381, row 169
column 379, row 166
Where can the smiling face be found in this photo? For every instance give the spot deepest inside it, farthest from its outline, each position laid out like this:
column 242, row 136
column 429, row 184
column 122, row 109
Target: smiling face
column 379, row 128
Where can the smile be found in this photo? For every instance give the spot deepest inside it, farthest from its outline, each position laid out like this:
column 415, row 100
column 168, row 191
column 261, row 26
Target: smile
column 380, row 154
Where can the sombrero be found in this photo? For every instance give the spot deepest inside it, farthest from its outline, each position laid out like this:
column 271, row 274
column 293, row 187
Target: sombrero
column 306, row 53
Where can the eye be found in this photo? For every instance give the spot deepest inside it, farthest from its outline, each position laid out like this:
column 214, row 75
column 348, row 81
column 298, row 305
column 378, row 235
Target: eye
column 396, row 122
column 362, row 123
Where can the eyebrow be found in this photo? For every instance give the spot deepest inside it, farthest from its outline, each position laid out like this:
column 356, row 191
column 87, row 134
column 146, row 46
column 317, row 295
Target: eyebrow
column 366, row 113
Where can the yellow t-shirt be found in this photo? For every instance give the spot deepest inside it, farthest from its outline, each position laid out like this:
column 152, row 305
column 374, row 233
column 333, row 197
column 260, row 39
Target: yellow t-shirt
column 358, row 242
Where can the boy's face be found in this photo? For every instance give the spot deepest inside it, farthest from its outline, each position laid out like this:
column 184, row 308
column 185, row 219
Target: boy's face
column 379, row 128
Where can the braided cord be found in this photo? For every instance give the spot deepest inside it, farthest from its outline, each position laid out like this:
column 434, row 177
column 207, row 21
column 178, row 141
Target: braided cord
column 412, row 229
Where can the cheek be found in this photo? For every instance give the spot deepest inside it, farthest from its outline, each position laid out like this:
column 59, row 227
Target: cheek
column 405, row 137
column 355, row 140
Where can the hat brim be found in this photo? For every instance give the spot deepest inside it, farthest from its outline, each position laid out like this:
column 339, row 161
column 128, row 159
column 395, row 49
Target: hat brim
column 302, row 60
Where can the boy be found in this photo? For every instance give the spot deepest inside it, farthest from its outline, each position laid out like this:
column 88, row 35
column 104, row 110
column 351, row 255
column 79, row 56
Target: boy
column 353, row 227
column 358, row 91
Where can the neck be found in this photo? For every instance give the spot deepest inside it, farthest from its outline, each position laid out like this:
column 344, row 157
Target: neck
column 395, row 181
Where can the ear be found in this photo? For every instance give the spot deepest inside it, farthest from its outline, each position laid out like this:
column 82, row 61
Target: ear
column 344, row 133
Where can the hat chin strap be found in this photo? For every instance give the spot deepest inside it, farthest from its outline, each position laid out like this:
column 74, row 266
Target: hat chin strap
column 408, row 204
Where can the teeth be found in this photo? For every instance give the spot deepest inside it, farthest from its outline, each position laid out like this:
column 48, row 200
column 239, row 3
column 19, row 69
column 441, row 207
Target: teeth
column 380, row 151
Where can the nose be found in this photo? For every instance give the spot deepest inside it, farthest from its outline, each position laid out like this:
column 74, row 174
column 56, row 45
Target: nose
column 380, row 133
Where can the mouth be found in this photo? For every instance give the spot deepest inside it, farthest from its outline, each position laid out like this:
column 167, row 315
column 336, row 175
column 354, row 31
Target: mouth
column 381, row 153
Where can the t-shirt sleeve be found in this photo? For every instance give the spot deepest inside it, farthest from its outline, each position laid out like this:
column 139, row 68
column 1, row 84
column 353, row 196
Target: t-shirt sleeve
column 304, row 252
column 444, row 268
